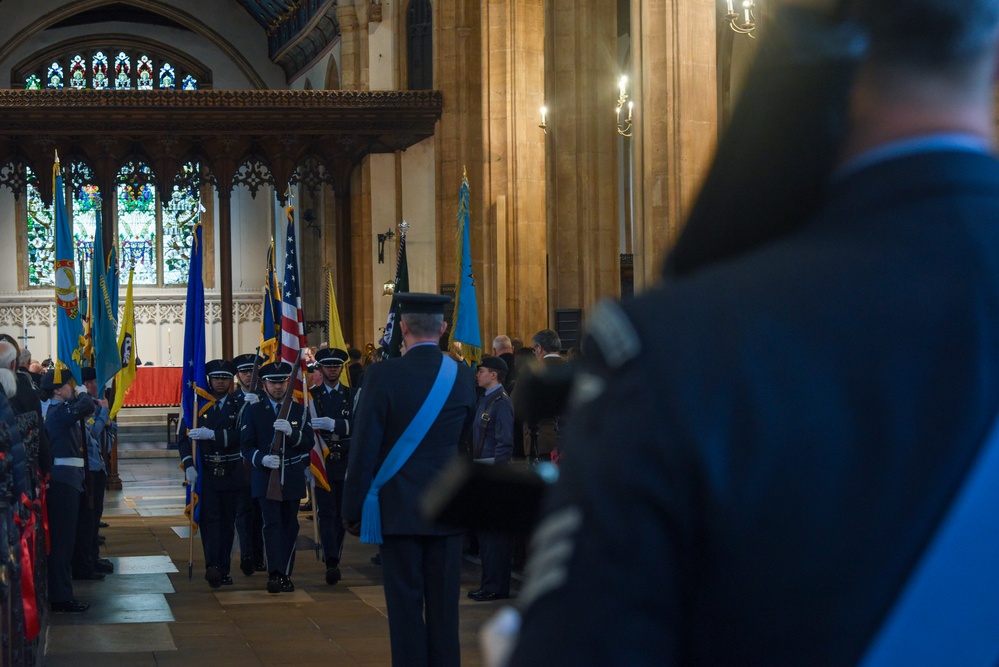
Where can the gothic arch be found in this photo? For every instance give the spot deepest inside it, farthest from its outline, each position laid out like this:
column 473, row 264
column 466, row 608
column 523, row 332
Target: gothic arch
column 157, row 6
column 332, row 75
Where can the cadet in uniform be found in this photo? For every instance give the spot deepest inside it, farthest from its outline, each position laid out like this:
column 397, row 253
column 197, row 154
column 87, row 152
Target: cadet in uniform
column 249, row 524
column 257, row 433
column 87, row 563
column 64, row 424
column 222, row 469
column 492, row 443
column 421, row 562
column 334, row 412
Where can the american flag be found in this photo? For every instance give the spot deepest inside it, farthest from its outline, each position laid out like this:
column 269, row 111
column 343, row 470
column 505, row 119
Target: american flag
column 292, row 322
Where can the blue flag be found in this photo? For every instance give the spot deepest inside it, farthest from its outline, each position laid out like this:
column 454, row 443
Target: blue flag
column 270, row 325
column 195, row 382
column 69, row 318
column 103, row 316
column 466, row 306
column 114, row 281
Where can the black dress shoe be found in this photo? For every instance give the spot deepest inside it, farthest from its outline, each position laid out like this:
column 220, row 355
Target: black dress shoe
column 376, row 559
column 274, row 583
column 260, row 567
column 70, row 606
column 246, row 565
column 332, row 574
column 477, row 591
column 103, row 565
column 104, row 524
column 88, row 576
column 486, row 596
column 286, row 585
column 226, row 580
column 213, row 576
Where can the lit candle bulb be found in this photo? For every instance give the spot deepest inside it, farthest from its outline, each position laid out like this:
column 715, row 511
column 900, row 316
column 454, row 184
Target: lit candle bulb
column 624, row 85
column 544, row 115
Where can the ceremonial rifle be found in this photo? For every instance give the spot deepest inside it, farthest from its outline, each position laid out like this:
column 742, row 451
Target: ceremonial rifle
column 277, row 444
column 255, row 376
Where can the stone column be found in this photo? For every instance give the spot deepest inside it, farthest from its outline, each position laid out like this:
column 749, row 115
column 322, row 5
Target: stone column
column 676, row 119
column 509, row 255
column 346, row 15
column 225, row 268
column 581, row 92
column 457, row 74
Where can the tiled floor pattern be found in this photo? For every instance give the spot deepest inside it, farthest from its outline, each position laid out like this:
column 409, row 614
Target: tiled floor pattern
column 149, row 613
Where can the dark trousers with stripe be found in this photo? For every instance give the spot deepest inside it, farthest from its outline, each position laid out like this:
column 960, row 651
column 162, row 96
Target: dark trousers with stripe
column 280, row 533
column 328, row 511
column 496, row 553
column 218, row 525
column 422, row 577
column 249, row 527
column 63, row 508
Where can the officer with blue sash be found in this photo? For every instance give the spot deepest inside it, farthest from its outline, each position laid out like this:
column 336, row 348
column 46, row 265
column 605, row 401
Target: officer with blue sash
column 260, row 422
column 411, row 415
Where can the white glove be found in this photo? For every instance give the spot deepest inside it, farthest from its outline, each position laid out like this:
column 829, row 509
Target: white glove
column 310, row 479
column 272, row 461
column 282, row 425
column 323, row 423
column 251, row 398
column 201, row 433
column 80, row 389
column 192, row 476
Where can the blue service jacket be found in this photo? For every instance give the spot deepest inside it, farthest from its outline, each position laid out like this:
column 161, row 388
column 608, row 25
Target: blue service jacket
column 256, row 435
column 221, row 458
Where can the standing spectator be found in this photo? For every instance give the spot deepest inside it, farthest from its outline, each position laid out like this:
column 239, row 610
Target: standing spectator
column 543, row 435
column 492, row 443
column 503, row 348
column 355, row 369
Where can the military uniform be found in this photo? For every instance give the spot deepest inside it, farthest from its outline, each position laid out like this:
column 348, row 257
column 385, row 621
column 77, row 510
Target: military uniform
column 249, row 523
column 492, row 442
column 63, row 422
column 280, row 517
column 335, row 403
column 421, row 561
column 222, row 476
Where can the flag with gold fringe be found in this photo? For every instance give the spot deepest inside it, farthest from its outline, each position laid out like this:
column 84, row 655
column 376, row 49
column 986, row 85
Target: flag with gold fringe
column 466, row 305
column 69, row 317
column 195, row 381
column 270, row 324
column 126, row 349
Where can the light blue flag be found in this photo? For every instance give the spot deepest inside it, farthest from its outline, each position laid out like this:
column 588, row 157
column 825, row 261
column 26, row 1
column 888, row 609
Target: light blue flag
column 69, row 319
column 466, row 306
column 103, row 316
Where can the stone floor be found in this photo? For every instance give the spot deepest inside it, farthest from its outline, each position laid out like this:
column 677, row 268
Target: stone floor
column 149, row 613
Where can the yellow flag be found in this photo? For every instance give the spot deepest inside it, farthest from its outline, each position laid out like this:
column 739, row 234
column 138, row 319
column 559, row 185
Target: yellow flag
column 333, row 324
column 126, row 346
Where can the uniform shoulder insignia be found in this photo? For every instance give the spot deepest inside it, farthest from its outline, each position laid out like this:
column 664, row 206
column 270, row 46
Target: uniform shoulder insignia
column 613, row 333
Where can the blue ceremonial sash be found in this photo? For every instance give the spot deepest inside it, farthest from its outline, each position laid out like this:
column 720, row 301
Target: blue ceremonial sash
column 371, row 513
column 947, row 612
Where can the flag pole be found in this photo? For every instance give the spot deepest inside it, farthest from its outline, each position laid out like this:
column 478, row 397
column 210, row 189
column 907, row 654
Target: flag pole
column 190, row 524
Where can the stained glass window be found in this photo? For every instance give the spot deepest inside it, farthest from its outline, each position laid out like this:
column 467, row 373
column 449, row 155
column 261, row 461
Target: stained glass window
column 144, row 74
column 180, row 215
column 137, row 235
column 33, row 83
column 41, row 237
column 167, row 77
column 41, row 230
column 122, row 67
column 78, row 73
column 190, row 83
column 55, row 76
column 100, row 67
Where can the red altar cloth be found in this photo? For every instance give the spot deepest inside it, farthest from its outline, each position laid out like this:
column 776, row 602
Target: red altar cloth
column 155, row 386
